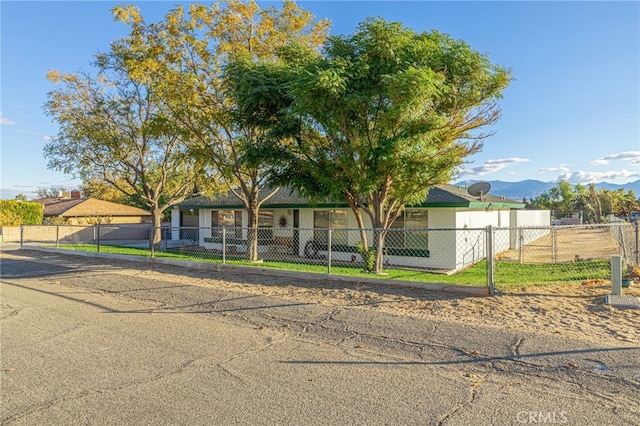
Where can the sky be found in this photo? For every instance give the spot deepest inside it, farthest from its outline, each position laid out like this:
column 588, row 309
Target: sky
column 572, row 111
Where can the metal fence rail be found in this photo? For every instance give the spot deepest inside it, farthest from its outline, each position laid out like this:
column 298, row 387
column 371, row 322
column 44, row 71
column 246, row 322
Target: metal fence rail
column 491, row 256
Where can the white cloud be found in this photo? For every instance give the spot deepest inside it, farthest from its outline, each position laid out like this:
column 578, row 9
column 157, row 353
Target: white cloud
column 562, row 168
column 47, row 138
column 580, row 176
column 492, row 166
column 5, row 121
column 632, row 156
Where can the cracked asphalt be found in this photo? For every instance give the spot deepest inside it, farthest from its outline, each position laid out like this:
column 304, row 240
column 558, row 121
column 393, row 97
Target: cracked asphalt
column 95, row 342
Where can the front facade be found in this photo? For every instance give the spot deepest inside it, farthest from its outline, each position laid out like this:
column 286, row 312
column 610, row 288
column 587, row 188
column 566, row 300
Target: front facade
column 446, row 231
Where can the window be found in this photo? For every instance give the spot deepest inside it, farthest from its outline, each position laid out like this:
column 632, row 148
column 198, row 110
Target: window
column 336, row 220
column 229, row 219
column 265, row 224
column 265, row 219
column 409, row 230
column 416, row 235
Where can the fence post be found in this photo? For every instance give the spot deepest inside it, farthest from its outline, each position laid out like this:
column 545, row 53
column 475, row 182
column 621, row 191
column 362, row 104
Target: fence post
column 490, row 261
column 616, row 275
column 329, row 252
column 637, row 243
column 57, row 236
column 224, row 245
column 554, row 246
column 96, row 231
column 521, row 244
column 152, row 247
column 21, row 234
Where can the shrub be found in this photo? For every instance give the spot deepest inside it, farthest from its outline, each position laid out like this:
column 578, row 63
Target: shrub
column 13, row 213
column 368, row 256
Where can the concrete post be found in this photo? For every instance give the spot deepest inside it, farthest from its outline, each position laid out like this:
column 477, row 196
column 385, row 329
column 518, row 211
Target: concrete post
column 616, row 275
column 635, row 223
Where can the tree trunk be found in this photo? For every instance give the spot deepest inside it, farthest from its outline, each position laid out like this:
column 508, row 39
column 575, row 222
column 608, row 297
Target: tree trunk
column 252, row 231
column 378, row 238
column 594, row 194
column 379, row 219
column 358, row 214
column 156, row 232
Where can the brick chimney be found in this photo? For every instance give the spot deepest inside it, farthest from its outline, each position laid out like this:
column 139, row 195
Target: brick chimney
column 76, row 195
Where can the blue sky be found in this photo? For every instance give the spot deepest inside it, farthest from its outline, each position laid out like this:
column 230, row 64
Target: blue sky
column 573, row 111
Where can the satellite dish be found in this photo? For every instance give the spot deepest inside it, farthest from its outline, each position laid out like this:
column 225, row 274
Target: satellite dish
column 478, row 189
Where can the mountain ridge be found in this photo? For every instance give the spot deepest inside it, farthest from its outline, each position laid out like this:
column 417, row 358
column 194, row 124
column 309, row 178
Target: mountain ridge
column 531, row 188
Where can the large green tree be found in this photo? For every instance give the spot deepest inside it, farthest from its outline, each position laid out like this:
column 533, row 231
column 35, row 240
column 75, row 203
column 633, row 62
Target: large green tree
column 115, row 126
column 192, row 48
column 560, row 197
column 383, row 115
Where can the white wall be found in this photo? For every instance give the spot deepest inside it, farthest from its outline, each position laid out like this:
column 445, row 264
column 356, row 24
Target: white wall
column 527, row 218
column 175, row 223
column 536, row 222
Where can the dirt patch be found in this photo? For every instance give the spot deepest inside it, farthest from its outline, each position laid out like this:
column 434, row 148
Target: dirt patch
column 567, row 245
column 575, row 310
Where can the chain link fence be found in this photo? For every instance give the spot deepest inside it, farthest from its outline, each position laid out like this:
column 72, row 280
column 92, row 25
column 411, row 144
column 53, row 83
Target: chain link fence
column 496, row 257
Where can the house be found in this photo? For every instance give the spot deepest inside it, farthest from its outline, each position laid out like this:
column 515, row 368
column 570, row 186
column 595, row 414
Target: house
column 446, row 231
column 76, row 210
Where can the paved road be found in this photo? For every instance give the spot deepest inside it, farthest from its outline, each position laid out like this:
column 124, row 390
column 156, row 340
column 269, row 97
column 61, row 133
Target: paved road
column 83, row 343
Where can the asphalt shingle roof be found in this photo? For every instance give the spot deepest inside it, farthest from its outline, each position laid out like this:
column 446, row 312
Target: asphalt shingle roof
column 438, row 196
column 87, row 207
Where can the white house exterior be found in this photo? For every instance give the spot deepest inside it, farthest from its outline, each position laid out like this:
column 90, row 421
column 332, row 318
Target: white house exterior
column 447, row 231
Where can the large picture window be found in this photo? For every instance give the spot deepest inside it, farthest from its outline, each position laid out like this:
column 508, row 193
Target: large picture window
column 336, row 220
column 229, row 219
column 409, row 230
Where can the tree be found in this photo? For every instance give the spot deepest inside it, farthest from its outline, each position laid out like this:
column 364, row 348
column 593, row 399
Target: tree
column 98, row 188
column 561, row 197
column 21, row 197
column 597, row 202
column 191, row 49
column 115, row 126
column 625, row 202
column 52, row 191
column 385, row 115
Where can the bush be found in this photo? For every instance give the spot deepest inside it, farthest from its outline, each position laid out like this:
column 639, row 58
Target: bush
column 368, row 256
column 14, row 213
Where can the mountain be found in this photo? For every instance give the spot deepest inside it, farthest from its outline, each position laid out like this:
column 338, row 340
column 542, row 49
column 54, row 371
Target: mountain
column 531, row 188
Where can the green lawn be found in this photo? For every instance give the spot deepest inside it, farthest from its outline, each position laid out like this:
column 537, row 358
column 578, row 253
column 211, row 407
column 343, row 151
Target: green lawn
column 507, row 275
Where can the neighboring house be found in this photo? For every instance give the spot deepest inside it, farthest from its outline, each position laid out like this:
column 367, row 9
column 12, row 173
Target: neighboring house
column 559, row 217
column 446, row 231
column 83, row 211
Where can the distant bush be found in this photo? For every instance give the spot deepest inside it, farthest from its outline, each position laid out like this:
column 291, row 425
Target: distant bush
column 13, row 213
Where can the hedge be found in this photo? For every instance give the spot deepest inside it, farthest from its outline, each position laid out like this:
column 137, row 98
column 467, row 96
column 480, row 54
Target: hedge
column 13, row 213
